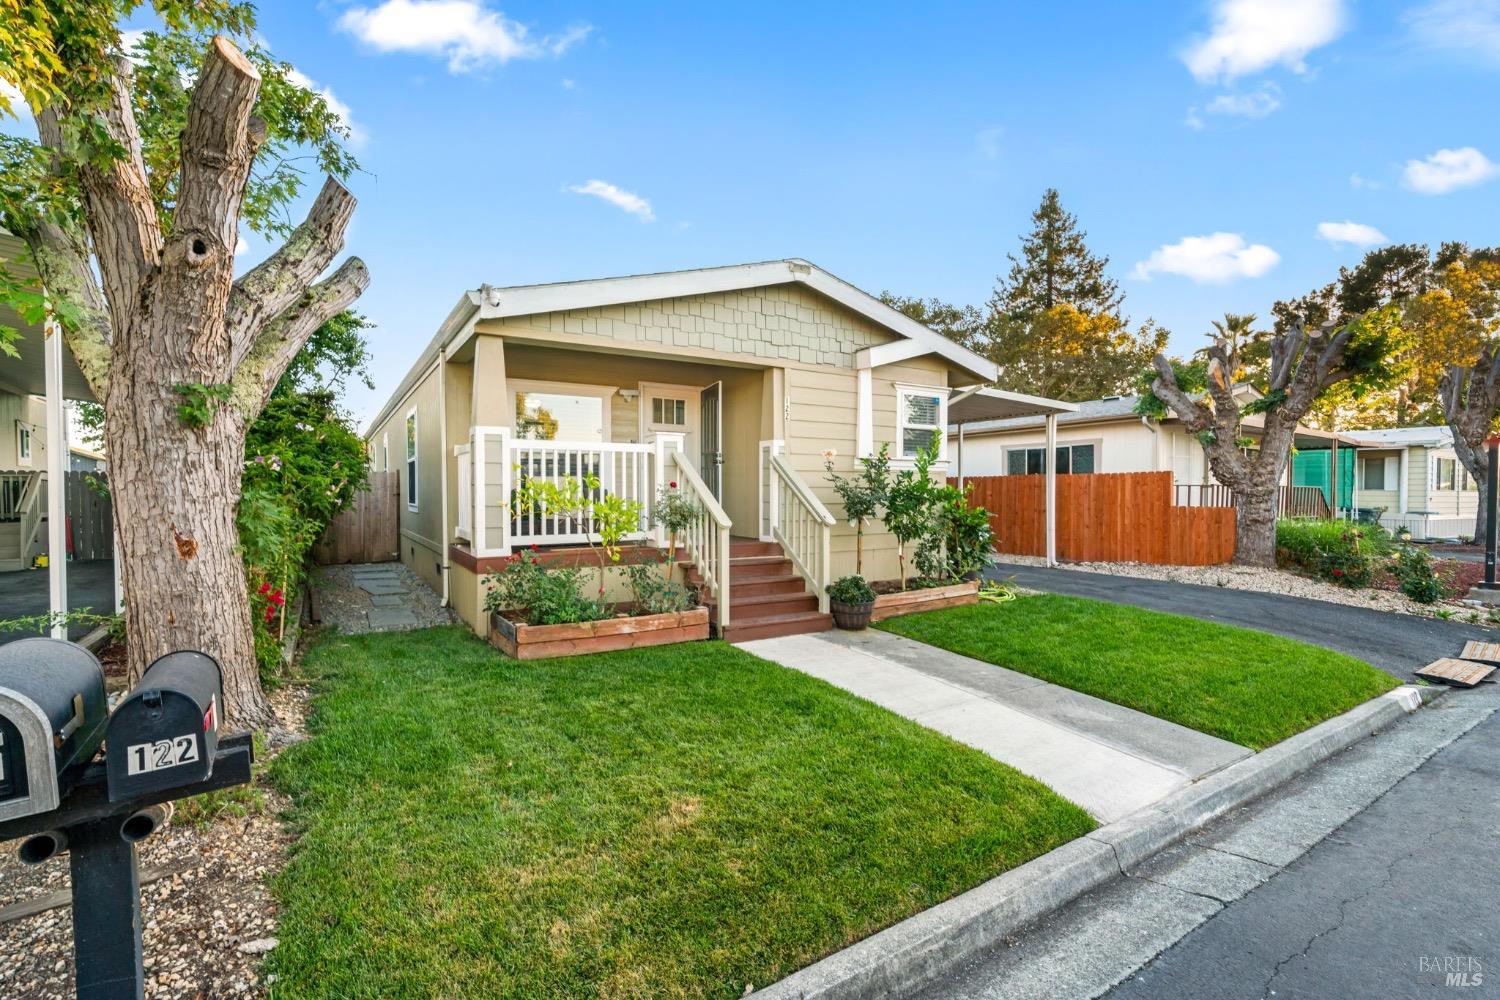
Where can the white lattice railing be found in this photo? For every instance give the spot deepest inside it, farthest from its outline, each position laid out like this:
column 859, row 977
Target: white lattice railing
column 706, row 539
column 802, row 525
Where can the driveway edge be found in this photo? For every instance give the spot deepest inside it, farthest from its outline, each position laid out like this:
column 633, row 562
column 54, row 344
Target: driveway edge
column 913, row 953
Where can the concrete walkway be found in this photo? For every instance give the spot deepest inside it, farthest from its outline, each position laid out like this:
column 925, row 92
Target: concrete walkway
column 377, row 597
column 1397, row 644
column 1109, row 759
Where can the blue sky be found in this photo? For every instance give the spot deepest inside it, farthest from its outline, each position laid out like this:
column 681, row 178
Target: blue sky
column 901, row 148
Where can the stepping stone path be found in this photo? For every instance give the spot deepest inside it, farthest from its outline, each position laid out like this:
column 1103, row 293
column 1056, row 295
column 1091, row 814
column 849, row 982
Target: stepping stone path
column 379, row 597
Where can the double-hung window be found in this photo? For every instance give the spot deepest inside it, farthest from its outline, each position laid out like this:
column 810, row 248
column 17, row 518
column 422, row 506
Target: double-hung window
column 23, row 443
column 1447, row 475
column 921, row 412
column 411, row 460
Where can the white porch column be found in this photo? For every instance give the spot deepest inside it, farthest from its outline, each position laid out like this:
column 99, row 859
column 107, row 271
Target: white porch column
column 1401, row 483
column 57, row 465
column 1051, row 505
column 960, row 456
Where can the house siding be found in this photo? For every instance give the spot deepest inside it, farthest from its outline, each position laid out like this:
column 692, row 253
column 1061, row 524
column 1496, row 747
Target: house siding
column 775, row 323
column 421, row 541
column 14, row 411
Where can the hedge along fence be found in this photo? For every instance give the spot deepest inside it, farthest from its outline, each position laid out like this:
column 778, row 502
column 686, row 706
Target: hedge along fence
column 1104, row 517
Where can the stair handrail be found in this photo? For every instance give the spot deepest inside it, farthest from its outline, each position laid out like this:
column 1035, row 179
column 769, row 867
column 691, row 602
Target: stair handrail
column 804, row 527
column 31, row 515
column 706, row 539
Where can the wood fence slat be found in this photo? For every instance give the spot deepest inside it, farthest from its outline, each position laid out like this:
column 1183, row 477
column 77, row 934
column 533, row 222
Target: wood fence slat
column 1105, row 517
column 366, row 531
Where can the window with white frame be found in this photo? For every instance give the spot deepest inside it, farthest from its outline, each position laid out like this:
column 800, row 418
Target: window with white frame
column 1378, row 473
column 558, row 411
column 1447, row 475
column 921, row 412
column 385, row 452
column 667, row 411
column 23, row 443
column 411, row 460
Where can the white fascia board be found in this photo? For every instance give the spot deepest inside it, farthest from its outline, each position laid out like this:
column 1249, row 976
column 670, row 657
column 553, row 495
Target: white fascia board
column 530, row 300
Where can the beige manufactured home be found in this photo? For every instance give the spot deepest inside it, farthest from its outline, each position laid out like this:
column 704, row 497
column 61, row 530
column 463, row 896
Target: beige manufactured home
column 734, row 382
column 1411, row 478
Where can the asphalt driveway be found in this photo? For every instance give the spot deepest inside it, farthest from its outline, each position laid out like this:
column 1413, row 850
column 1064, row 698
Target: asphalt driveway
column 1397, row 644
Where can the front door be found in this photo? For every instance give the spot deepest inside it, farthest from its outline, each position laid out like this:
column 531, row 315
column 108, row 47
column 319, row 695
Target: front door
column 711, row 424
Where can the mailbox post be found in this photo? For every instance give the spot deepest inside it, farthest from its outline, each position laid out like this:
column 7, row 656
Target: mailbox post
column 59, row 801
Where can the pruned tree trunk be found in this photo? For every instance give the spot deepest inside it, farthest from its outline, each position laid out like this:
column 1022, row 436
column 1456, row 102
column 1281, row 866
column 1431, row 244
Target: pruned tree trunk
column 1255, row 528
column 184, row 357
column 1471, row 401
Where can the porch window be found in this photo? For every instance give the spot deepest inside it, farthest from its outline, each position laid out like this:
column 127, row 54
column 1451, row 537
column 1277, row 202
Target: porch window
column 411, row 460
column 1072, row 459
column 23, row 443
column 1447, row 469
column 1374, row 478
column 562, row 413
column 668, row 412
column 920, row 413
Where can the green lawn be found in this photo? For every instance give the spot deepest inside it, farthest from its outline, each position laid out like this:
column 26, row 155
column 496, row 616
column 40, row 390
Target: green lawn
column 1245, row 686
column 670, row 822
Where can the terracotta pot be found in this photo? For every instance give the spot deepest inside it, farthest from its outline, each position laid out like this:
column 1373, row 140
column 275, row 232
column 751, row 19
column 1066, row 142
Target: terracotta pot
column 851, row 616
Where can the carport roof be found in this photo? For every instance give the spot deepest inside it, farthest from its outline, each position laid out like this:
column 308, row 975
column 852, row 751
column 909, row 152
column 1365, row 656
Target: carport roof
column 970, row 405
column 26, row 375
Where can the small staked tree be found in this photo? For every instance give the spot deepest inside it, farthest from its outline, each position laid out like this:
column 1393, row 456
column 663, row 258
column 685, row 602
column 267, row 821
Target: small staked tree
column 131, row 206
column 1470, row 398
column 1302, row 366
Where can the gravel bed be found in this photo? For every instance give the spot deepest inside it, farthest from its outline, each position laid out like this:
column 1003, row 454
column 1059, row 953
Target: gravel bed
column 209, row 919
column 341, row 602
column 1266, row 581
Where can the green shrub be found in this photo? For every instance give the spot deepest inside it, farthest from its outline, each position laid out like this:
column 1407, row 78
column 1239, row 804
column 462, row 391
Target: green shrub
column 1333, row 550
column 654, row 593
column 1412, row 568
column 541, row 596
column 851, row 590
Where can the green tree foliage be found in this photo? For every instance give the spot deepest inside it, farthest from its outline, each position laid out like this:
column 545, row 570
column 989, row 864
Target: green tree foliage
column 336, row 352
column 1449, row 303
column 1053, row 325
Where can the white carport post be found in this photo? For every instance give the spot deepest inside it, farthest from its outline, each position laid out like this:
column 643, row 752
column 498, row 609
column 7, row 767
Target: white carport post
column 57, row 464
column 1051, row 468
column 960, row 456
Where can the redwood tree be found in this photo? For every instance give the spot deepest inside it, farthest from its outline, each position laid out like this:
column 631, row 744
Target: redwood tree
column 182, row 355
column 1471, row 400
column 1302, row 366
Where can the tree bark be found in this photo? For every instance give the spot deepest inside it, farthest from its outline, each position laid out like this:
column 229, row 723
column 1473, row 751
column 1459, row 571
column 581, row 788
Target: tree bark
column 180, row 331
column 1255, row 528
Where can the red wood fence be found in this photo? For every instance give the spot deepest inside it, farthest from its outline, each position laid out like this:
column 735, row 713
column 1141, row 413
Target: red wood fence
column 1104, row 517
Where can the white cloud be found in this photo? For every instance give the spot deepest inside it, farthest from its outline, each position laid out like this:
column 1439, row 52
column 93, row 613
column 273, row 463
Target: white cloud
column 1252, row 35
column 1448, row 170
column 240, row 246
column 1459, row 25
column 1258, row 104
column 466, row 32
column 1356, row 233
column 568, row 84
column 357, row 135
column 1362, row 183
column 1212, row 259
column 625, row 200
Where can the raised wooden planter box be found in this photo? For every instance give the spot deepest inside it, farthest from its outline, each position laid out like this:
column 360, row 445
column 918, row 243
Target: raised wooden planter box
column 909, row 602
column 535, row 642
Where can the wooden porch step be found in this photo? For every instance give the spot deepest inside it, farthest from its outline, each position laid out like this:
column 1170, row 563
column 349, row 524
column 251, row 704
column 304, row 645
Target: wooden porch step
column 786, row 583
column 753, row 567
column 773, row 626
column 762, row 605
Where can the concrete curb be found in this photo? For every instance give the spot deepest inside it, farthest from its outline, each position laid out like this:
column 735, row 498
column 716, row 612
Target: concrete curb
column 906, row 956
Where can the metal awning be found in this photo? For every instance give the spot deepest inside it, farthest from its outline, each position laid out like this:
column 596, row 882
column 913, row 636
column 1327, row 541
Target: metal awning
column 985, row 403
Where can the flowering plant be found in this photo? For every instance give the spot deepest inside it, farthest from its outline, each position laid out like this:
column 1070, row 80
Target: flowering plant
column 674, row 510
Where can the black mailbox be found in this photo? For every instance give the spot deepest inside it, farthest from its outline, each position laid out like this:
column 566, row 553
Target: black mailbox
column 53, row 712
column 165, row 733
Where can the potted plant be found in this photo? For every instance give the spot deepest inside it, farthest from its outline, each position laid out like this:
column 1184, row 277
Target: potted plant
column 851, row 600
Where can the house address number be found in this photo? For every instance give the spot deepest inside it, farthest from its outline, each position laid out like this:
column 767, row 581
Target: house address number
column 143, row 758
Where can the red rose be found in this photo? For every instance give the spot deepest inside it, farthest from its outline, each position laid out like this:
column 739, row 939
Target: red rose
column 536, row 548
column 1338, row 572
column 673, row 484
column 264, row 587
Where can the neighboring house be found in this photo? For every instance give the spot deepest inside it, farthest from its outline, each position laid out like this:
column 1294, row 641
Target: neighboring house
column 23, row 435
column 733, row 381
column 1107, row 435
column 1412, row 477
column 82, row 459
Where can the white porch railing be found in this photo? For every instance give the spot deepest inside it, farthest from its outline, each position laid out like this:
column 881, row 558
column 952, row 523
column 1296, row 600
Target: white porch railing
column 23, row 500
column 706, row 539
column 802, row 525
column 13, row 490
column 465, row 529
